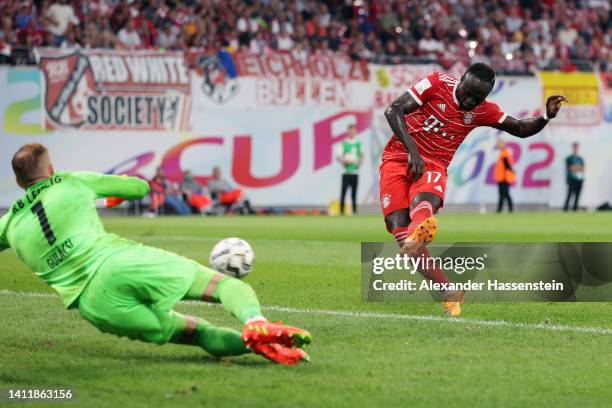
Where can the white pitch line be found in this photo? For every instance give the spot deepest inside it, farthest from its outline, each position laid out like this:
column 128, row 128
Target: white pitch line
column 375, row 315
column 215, row 239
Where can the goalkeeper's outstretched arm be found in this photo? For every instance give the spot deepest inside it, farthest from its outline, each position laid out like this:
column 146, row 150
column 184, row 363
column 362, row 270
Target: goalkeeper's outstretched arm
column 3, row 242
column 105, row 185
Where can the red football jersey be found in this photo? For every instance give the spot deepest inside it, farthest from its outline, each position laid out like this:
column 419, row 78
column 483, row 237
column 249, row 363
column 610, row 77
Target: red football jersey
column 439, row 126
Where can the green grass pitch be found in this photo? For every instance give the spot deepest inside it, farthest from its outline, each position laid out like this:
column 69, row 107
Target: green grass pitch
column 363, row 354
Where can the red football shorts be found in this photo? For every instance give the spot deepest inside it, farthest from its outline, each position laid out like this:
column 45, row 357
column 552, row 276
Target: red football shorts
column 397, row 190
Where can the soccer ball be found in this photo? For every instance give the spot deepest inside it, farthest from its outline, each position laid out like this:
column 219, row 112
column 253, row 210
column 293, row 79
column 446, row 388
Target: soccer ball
column 233, row 257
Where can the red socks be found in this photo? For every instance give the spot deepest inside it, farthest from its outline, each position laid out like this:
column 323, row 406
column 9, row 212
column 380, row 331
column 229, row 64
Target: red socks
column 400, row 234
column 434, row 273
column 418, row 214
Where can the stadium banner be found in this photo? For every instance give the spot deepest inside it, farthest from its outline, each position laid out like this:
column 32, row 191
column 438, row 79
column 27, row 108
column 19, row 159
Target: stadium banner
column 499, row 272
column 248, row 80
column 539, row 160
column 281, row 154
column 582, row 92
column 281, row 119
column 135, row 90
column 606, row 96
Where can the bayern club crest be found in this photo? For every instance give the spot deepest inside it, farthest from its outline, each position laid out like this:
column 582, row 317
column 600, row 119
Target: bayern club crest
column 386, row 200
column 468, row 117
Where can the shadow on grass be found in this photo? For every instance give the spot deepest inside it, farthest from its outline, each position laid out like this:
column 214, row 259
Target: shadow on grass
column 164, row 355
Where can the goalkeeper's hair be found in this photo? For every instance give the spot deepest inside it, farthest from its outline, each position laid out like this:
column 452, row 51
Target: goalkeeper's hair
column 28, row 162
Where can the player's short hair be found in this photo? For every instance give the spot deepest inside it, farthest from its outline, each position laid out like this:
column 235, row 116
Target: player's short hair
column 482, row 71
column 27, row 162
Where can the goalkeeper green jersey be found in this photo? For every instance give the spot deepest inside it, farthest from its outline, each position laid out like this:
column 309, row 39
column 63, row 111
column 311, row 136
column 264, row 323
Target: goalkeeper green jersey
column 54, row 227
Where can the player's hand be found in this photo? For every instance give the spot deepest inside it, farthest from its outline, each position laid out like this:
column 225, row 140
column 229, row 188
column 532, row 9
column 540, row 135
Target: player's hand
column 553, row 104
column 416, row 166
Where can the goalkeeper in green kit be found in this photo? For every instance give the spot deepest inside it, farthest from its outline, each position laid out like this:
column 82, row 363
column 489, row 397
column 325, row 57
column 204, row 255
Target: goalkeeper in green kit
column 120, row 286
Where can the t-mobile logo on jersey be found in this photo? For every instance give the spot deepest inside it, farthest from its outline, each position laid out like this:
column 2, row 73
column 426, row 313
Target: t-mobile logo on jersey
column 433, row 124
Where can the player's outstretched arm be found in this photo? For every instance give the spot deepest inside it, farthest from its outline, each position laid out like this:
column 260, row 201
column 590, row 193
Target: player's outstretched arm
column 531, row 126
column 105, row 185
column 395, row 113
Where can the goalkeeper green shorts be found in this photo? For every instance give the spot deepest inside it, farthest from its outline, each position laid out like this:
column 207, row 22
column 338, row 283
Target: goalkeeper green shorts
column 132, row 294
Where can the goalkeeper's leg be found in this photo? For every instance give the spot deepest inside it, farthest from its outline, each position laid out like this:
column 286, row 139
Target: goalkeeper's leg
column 236, row 296
column 240, row 300
column 134, row 292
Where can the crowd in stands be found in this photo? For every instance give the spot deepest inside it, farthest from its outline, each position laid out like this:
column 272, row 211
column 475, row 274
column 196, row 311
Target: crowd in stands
column 191, row 197
column 511, row 35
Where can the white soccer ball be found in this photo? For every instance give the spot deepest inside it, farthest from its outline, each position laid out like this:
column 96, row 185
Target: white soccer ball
column 233, row 257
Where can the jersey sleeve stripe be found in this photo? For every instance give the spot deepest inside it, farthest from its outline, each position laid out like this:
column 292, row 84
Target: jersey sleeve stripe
column 503, row 117
column 416, row 98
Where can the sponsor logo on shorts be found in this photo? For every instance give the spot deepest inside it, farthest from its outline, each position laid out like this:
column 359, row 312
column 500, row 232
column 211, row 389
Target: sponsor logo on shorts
column 386, row 200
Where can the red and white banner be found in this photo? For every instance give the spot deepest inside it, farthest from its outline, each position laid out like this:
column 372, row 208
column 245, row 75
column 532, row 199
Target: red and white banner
column 272, row 123
column 279, row 80
column 114, row 90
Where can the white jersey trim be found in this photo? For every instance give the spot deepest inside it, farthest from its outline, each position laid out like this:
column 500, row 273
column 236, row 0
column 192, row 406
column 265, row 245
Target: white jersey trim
column 454, row 94
column 504, row 116
column 416, row 98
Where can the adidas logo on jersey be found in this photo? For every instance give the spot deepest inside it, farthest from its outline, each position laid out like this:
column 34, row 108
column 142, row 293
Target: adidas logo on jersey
column 442, row 107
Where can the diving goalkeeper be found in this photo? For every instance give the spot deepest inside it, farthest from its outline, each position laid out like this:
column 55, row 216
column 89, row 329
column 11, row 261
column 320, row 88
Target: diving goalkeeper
column 120, row 286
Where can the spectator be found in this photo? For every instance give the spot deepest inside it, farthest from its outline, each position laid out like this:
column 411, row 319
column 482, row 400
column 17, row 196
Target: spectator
column 504, row 176
column 563, row 34
column 157, row 187
column 388, row 21
column 350, row 155
column 61, row 17
column 574, row 168
column 514, row 21
column 285, row 43
column 8, row 35
column 224, row 194
column 70, row 40
column 567, row 34
column 193, row 194
column 146, row 29
column 429, row 46
column 128, row 36
column 168, row 37
column 166, row 193
column 25, row 15
column 107, row 40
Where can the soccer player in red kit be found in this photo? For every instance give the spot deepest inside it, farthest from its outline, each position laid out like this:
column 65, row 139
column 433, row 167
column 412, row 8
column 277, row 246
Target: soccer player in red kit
column 429, row 122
